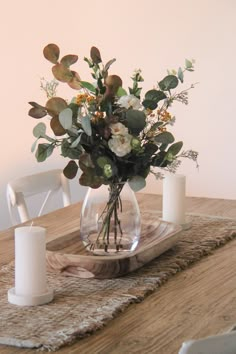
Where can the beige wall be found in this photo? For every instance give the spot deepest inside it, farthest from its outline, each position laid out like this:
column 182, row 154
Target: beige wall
column 153, row 35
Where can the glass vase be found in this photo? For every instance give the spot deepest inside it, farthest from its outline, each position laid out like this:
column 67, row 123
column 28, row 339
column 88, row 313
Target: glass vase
column 110, row 220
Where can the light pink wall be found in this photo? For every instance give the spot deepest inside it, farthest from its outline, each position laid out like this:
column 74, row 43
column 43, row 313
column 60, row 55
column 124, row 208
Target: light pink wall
column 153, row 35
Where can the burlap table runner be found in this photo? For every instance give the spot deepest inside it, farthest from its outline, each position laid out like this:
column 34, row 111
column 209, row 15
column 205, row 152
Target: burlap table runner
column 82, row 306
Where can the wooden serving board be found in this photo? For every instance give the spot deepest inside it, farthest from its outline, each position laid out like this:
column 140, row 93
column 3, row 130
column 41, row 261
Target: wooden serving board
column 68, row 256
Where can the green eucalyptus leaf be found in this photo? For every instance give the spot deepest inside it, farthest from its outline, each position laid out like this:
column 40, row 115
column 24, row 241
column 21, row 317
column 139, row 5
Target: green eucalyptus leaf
column 137, row 183
column 86, row 125
column 156, row 125
column 76, row 142
column 164, row 146
column 188, row 64
column 74, row 107
column 33, row 147
column 71, row 169
column 121, row 92
column 39, row 130
column 136, row 121
column 159, row 160
column 43, row 152
column 169, row 157
column 169, row 82
column 175, row 148
column 65, row 118
column 150, row 149
column 68, row 151
column 155, row 95
column 149, row 104
column 180, row 75
column 164, row 138
column 88, row 86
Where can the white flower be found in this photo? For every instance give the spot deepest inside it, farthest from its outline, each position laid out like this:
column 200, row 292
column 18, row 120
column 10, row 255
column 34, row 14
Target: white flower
column 129, row 101
column 120, row 144
column 118, row 129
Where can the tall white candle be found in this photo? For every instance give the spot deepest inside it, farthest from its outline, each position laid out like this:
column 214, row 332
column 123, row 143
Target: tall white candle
column 173, row 208
column 30, row 260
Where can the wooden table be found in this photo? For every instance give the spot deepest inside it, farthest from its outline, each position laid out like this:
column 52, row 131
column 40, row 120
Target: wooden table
column 197, row 302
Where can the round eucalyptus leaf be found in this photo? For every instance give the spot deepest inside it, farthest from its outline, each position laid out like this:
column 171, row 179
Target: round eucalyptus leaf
column 43, row 152
column 86, row 125
column 69, row 59
column 70, row 171
column 65, row 118
column 164, row 138
column 169, row 82
column 56, row 127
column 37, row 113
column 149, row 104
column 51, row 52
column 155, row 95
column 136, row 121
column 55, row 105
column 137, row 183
column 62, row 73
column 39, row 130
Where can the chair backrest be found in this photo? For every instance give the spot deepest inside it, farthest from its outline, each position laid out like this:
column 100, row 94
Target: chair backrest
column 19, row 189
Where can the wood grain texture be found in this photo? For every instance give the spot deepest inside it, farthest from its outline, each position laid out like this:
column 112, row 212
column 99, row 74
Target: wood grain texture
column 198, row 302
column 156, row 237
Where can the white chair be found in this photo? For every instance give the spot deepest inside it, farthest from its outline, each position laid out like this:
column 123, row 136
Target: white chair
column 219, row 344
column 21, row 188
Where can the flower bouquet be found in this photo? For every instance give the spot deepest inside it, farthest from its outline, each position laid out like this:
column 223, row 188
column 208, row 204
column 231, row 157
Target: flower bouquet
column 112, row 135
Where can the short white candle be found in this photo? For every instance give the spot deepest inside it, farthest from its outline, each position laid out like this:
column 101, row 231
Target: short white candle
column 173, row 208
column 30, row 260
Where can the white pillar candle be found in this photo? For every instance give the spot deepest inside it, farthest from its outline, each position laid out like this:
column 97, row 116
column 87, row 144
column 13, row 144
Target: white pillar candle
column 30, row 267
column 173, row 200
column 30, row 260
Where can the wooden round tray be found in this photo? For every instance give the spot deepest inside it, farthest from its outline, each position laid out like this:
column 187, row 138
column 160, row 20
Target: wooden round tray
column 68, row 256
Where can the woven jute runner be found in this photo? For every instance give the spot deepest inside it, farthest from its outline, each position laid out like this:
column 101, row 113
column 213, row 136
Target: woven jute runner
column 82, row 306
